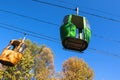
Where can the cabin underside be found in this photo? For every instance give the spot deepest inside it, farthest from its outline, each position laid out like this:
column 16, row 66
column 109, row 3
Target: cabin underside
column 74, row 44
column 10, row 58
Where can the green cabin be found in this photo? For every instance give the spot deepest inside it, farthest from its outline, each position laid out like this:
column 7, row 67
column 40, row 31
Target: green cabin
column 75, row 32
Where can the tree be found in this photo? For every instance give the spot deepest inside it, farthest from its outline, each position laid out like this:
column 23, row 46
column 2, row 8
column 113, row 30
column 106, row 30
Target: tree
column 76, row 69
column 36, row 56
column 21, row 71
column 38, row 63
column 44, row 64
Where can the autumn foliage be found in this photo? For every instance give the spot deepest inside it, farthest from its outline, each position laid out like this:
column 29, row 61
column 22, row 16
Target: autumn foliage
column 76, row 69
column 37, row 63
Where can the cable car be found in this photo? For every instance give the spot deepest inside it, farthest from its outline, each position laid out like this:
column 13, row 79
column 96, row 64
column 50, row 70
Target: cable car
column 12, row 54
column 75, row 32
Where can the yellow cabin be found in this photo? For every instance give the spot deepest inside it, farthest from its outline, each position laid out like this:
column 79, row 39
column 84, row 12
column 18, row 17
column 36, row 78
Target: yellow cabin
column 12, row 54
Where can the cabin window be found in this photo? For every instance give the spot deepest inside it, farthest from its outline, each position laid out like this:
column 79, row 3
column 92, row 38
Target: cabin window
column 13, row 45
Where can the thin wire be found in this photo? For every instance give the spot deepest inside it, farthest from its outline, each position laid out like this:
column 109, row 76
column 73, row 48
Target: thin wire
column 102, row 52
column 88, row 8
column 11, row 29
column 102, row 11
column 47, row 22
column 33, row 35
column 98, row 36
column 28, row 31
column 64, row 2
column 36, row 19
column 99, row 16
column 106, row 38
column 43, row 2
column 51, row 24
column 77, row 2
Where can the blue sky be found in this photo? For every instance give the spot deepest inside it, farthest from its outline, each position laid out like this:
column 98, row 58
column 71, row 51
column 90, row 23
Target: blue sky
column 106, row 67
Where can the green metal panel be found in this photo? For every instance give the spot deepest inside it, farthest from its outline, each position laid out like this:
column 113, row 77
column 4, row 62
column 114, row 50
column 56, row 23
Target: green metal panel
column 87, row 31
column 68, row 30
